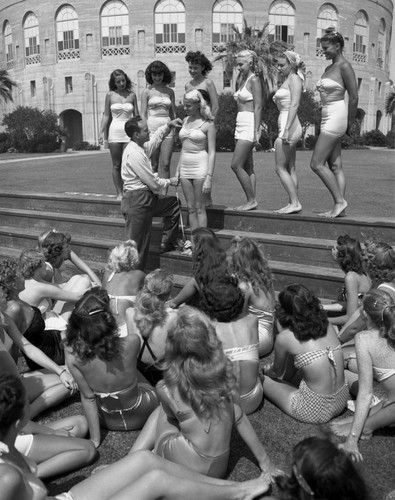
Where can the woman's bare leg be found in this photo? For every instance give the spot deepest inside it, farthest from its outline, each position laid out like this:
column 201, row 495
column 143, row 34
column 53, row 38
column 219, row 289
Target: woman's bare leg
column 146, row 439
column 240, row 159
column 166, row 151
column 279, row 393
column 44, row 390
column 285, row 169
column 189, row 193
column 116, row 150
column 200, row 202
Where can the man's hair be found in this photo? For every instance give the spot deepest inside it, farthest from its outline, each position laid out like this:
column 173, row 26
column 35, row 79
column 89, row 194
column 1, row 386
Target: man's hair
column 132, row 126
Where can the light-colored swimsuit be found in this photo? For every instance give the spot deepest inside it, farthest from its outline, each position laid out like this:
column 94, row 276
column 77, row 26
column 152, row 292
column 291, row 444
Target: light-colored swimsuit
column 194, row 155
column 282, row 98
column 334, row 111
column 265, row 325
column 158, row 111
column 245, row 122
column 120, row 112
column 313, row 407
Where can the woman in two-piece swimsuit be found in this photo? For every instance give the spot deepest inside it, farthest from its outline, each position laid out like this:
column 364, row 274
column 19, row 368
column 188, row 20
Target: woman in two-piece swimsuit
column 196, row 164
column 337, row 119
column 287, row 99
column 123, row 280
column 248, row 124
column 248, row 263
column 104, row 365
column 373, row 358
column 158, row 108
column 119, row 106
column 223, row 301
column 305, row 334
column 194, row 423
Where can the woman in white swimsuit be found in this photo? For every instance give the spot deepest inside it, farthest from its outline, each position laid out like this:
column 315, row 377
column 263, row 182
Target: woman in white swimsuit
column 158, row 108
column 196, row 165
column 119, row 106
column 337, row 119
column 248, row 124
column 374, row 358
column 287, row 99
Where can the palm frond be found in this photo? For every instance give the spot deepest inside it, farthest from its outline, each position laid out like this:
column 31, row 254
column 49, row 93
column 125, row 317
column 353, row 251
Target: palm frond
column 390, row 103
column 6, row 85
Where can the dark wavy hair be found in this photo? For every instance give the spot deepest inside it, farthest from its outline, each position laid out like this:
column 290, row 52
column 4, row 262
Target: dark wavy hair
column 150, row 310
column 300, row 310
column 158, row 67
column 349, row 254
column 29, row 261
column 119, row 72
column 380, row 308
column 379, row 259
column 12, row 401
column 321, row 471
column 92, row 330
column 9, row 270
column 333, row 36
column 53, row 245
column 248, row 262
column 222, row 299
column 209, row 258
column 195, row 364
column 199, row 58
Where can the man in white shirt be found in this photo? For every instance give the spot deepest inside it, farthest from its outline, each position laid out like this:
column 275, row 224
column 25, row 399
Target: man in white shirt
column 141, row 189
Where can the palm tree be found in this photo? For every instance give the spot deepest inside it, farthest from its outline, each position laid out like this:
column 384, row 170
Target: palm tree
column 258, row 41
column 6, row 85
column 390, row 106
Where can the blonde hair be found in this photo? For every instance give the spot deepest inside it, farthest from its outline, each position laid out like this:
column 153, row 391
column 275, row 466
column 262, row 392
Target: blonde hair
column 196, row 96
column 123, row 257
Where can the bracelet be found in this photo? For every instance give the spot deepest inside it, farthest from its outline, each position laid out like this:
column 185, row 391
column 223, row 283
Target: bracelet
column 61, row 373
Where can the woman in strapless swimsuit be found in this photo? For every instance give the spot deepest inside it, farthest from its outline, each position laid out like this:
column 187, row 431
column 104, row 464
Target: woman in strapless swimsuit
column 287, row 99
column 158, row 108
column 337, row 119
column 372, row 358
column 119, row 106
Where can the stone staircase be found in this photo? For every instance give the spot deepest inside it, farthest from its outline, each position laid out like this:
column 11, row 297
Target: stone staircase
column 297, row 246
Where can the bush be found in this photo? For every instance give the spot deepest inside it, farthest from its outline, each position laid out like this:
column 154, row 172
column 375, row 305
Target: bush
column 347, row 142
column 311, row 141
column 390, row 139
column 5, row 142
column 374, row 138
column 84, row 146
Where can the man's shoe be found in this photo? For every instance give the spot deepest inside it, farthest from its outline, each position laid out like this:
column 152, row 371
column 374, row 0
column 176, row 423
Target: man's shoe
column 166, row 246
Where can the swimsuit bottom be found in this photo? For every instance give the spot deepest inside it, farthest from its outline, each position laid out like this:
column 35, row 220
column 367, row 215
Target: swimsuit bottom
column 312, row 407
column 245, row 126
column 249, row 402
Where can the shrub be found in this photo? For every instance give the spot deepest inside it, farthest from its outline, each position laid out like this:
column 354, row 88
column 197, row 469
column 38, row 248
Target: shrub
column 311, row 141
column 5, row 142
column 374, row 138
column 390, row 139
column 84, row 146
column 347, row 142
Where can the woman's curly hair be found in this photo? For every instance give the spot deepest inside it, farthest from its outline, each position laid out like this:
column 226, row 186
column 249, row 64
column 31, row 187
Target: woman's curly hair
column 379, row 259
column 380, row 308
column 92, row 331
column 158, row 67
column 114, row 74
column 247, row 260
column 300, row 311
column 349, row 254
column 12, row 401
column 222, row 300
column 209, row 258
column 9, row 271
column 333, row 36
column 123, row 257
column 150, row 310
column 195, row 363
column 199, row 58
column 29, row 261
column 53, row 245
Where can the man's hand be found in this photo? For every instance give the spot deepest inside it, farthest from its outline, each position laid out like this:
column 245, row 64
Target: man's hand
column 174, row 181
column 177, row 122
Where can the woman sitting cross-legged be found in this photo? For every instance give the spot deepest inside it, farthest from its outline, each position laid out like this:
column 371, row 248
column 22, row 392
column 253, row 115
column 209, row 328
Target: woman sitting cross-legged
column 150, row 320
column 194, row 423
column 123, row 280
column 223, row 301
column 306, row 336
column 374, row 358
column 104, row 365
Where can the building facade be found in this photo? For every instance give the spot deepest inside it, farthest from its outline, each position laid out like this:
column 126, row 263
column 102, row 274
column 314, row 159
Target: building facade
column 61, row 54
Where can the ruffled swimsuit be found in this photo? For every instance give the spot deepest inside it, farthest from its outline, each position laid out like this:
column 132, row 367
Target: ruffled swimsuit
column 121, row 112
column 334, row 111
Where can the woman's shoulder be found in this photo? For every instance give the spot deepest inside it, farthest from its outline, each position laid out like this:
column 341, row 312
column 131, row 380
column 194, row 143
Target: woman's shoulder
column 11, row 479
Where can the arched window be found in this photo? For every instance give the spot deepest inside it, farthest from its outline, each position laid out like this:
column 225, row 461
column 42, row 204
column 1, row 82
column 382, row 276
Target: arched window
column 327, row 17
column 360, row 38
column 226, row 15
column 169, row 27
column 32, row 39
column 67, row 33
column 381, row 44
column 115, row 29
column 9, row 53
column 281, row 22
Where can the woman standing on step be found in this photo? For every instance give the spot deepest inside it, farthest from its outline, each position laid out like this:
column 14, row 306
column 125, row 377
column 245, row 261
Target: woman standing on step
column 119, row 106
column 337, row 119
column 287, row 99
column 248, row 124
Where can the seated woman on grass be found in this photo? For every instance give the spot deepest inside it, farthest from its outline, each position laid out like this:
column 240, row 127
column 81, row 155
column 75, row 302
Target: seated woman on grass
column 373, row 358
column 247, row 261
column 123, row 280
column 104, row 365
column 193, row 425
column 223, row 301
column 306, row 336
column 348, row 254
column 209, row 262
